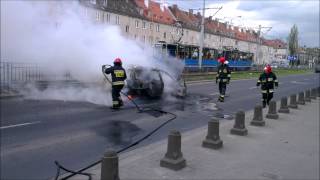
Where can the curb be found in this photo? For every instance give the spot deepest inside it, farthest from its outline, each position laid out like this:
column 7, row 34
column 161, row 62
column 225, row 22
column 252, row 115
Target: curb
column 9, row 96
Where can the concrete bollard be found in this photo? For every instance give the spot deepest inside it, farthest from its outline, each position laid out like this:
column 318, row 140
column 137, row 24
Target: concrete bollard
column 272, row 113
column 173, row 159
column 301, row 99
column 293, row 102
column 258, row 117
column 239, row 125
column 110, row 166
column 307, row 96
column 213, row 140
column 284, row 106
column 313, row 94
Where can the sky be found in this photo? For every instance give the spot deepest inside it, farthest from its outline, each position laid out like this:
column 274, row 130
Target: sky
column 281, row 15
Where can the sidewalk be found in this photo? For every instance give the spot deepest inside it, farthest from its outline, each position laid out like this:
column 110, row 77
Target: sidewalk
column 287, row 148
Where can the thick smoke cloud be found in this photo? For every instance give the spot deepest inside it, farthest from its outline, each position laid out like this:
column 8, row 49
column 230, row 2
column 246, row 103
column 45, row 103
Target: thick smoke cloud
column 33, row 31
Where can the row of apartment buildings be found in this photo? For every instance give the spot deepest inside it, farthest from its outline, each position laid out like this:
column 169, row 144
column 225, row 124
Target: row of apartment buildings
column 150, row 22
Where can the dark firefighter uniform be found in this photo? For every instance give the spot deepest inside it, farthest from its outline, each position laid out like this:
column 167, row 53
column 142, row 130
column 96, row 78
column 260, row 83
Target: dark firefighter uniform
column 223, row 78
column 118, row 75
column 267, row 80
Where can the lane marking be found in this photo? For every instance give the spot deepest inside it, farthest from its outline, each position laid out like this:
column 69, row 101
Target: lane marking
column 199, row 83
column 213, row 94
column 296, row 82
column 19, row 125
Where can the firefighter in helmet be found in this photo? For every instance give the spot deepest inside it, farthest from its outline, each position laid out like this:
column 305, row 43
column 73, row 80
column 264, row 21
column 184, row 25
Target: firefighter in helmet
column 223, row 77
column 267, row 80
column 118, row 75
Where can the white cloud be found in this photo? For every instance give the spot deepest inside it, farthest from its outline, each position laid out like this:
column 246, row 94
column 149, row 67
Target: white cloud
column 281, row 15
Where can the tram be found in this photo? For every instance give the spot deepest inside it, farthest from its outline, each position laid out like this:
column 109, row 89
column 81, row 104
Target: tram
column 189, row 54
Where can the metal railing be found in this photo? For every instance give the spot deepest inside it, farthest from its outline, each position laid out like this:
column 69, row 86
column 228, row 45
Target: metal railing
column 14, row 73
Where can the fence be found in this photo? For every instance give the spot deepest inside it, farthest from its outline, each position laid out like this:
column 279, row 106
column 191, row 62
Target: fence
column 13, row 73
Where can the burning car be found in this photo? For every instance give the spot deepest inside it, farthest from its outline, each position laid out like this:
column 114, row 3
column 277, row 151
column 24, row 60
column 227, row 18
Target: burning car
column 149, row 81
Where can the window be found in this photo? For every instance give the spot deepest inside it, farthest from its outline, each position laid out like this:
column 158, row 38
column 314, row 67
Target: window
column 144, row 25
column 164, row 35
column 158, row 28
column 127, row 28
column 107, row 17
column 97, row 15
column 151, row 26
column 150, row 39
column 117, row 20
column 194, row 54
column 143, row 38
column 137, row 24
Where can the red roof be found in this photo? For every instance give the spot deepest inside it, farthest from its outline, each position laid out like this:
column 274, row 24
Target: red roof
column 188, row 19
column 154, row 12
column 276, row 43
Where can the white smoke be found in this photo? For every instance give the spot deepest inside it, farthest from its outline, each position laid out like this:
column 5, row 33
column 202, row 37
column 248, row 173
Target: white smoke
column 55, row 35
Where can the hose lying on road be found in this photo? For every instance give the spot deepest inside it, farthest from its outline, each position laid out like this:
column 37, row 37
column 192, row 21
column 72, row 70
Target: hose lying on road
column 70, row 171
column 140, row 110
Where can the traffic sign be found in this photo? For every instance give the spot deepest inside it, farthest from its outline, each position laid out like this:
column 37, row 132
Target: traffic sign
column 292, row 58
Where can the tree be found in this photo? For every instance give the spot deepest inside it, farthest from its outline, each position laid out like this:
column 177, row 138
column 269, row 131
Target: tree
column 293, row 41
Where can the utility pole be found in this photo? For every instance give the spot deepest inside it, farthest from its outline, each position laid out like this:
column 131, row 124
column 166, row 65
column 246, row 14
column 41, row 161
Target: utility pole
column 202, row 30
column 258, row 45
column 202, row 36
column 259, row 41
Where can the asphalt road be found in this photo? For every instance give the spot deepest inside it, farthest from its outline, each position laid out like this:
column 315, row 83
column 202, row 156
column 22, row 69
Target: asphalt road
column 36, row 133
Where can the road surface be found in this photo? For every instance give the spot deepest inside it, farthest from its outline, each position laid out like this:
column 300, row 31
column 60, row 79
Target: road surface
column 35, row 133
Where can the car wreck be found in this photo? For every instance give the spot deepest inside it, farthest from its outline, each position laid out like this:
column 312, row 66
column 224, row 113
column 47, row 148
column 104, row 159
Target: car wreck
column 144, row 81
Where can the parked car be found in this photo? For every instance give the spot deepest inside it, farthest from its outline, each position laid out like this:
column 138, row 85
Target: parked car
column 317, row 68
column 274, row 64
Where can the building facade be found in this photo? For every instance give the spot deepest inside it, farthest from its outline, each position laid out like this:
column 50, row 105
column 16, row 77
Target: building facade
column 149, row 22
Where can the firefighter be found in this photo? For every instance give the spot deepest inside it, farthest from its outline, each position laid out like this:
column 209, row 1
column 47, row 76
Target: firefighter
column 223, row 77
column 118, row 75
column 267, row 80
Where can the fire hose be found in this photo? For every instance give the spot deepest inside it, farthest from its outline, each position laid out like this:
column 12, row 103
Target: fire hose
column 106, row 79
column 140, row 110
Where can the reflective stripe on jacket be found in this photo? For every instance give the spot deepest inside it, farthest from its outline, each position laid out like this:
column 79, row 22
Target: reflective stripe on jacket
column 267, row 81
column 118, row 74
